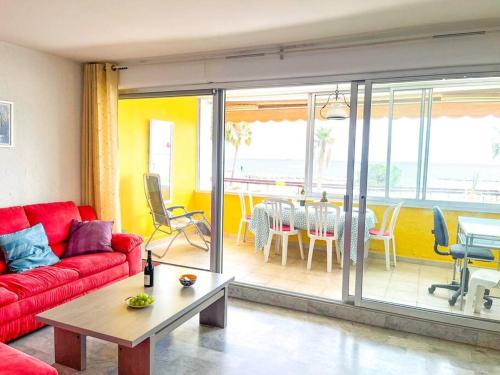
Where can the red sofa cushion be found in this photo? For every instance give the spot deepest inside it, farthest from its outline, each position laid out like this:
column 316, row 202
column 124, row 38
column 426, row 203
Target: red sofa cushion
column 99, row 280
column 87, row 213
column 37, row 280
column 90, row 264
column 7, row 297
column 14, row 362
column 59, row 248
column 125, row 243
column 56, row 219
column 12, row 219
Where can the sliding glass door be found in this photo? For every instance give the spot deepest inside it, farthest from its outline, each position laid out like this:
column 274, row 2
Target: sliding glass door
column 395, row 156
column 293, row 144
column 430, row 166
column 161, row 136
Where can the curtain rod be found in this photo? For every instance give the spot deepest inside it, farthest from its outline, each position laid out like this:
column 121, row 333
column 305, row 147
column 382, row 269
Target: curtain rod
column 118, row 67
column 282, row 51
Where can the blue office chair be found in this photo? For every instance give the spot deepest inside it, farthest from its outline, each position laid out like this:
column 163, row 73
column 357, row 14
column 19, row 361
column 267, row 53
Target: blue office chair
column 457, row 252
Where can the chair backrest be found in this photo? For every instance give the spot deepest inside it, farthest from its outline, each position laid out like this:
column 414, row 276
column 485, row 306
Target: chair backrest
column 243, row 205
column 152, row 189
column 317, row 218
column 276, row 215
column 250, row 201
column 440, row 231
column 244, row 212
column 394, row 218
column 389, row 225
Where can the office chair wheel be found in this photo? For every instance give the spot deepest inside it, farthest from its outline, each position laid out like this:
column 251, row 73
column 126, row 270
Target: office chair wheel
column 487, row 304
column 431, row 289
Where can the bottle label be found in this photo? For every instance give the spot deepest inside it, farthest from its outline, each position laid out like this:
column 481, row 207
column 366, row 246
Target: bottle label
column 147, row 280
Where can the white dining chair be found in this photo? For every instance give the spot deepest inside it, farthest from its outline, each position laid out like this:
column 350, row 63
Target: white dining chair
column 317, row 230
column 278, row 227
column 245, row 216
column 386, row 233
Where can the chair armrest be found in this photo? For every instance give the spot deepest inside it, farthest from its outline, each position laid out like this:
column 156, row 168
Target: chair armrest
column 125, row 243
column 192, row 213
column 171, row 208
column 187, row 214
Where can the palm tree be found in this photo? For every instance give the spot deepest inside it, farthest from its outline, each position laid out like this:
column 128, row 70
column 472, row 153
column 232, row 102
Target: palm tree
column 323, row 140
column 237, row 133
column 495, row 146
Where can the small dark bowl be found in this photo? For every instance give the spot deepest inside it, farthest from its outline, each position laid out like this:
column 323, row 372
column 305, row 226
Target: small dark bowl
column 187, row 279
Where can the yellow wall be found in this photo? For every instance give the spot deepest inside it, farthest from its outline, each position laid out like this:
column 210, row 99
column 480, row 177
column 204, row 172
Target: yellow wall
column 413, row 229
column 133, row 131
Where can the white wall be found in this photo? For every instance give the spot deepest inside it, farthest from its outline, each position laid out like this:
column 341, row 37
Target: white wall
column 44, row 164
column 419, row 54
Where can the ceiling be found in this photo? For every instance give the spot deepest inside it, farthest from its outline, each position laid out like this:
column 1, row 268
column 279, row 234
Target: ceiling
column 119, row 30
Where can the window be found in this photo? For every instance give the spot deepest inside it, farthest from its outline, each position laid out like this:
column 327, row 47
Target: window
column 330, row 147
column 406, row 128
column 160, row 154
column 442, row 139
column 265, row 141
column 464, row 148
column 429, row 140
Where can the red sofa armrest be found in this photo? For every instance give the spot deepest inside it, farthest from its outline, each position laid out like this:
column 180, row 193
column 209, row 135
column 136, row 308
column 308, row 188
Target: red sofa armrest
column 125, row 243
column 130, row 245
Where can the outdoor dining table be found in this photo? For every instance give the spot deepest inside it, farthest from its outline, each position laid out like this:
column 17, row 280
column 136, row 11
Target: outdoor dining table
column 259, row 225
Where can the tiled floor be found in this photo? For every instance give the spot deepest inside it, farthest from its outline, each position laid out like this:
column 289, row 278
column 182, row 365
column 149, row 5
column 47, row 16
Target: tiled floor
column 262, row 339
column 406, row 284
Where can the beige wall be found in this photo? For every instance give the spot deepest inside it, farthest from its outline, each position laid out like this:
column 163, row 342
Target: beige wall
column 46, row 90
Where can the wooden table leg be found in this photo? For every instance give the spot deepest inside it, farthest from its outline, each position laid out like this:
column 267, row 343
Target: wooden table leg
column 138, row 360
column 216, row 314
column 70, row 349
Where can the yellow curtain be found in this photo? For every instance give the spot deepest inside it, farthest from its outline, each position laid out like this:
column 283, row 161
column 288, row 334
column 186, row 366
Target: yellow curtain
column 100, row 165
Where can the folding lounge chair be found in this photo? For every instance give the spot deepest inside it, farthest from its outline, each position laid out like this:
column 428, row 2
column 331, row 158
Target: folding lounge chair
column 168, row 221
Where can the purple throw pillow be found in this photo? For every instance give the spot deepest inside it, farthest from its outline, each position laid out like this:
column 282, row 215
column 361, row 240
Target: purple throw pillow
column 89, row 237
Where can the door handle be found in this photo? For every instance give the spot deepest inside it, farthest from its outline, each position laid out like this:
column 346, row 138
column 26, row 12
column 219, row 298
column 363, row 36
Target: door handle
column 362, row 204
column 346, row 203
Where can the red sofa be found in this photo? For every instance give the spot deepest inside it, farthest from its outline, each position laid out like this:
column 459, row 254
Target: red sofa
column 14, row 362
column 24, row 295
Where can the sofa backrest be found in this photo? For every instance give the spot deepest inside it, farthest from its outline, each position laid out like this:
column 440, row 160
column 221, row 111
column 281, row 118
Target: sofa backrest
column 87, row 213
column 55, row 217
column 12, row 219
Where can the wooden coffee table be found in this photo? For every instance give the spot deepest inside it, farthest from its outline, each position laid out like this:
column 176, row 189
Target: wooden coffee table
column 104, row 314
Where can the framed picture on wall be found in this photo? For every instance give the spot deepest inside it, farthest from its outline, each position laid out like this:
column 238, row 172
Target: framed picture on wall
column 6, row 123
column 160, row 154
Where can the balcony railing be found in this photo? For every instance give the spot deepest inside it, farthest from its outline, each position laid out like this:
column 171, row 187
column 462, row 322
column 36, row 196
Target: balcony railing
column 484, row 195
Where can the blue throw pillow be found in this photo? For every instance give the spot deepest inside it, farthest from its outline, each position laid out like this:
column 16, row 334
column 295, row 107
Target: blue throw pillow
column 27, row 249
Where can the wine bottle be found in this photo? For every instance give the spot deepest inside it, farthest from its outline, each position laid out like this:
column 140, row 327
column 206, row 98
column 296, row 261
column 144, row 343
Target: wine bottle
column 149, row 272
column 302, row 197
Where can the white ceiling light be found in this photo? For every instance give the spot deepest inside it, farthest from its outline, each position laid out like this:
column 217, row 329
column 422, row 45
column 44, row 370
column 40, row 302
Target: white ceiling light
column 338, row 110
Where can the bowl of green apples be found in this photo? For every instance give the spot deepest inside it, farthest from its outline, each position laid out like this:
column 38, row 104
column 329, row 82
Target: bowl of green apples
column 140, row 301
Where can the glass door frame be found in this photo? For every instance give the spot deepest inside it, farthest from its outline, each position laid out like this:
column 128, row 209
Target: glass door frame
column 349, row 194
column 389, row 307
column 217, row 193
